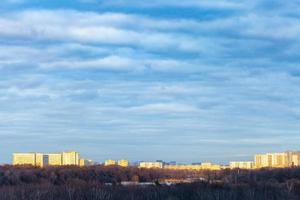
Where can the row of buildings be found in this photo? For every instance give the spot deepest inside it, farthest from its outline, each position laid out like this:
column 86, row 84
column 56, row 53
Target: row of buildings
column 200, row 166
column 277, row 160
column 50, row 159
column 121, row 163
column 268, row 160
column 163, row 165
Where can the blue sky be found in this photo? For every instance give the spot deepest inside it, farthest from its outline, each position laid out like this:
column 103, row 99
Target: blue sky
column 186, row 80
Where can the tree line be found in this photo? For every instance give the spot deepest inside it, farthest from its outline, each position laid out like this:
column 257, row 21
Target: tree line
column 74, row 183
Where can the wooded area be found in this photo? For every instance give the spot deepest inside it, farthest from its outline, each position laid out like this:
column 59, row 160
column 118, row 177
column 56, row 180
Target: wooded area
column 104, row 183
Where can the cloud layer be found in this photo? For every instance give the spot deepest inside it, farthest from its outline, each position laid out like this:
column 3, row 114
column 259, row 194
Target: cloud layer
column 129, row 77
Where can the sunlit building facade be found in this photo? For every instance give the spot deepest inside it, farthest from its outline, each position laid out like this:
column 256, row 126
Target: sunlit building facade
column 210, row 166
column 280, row 160
column 241, row 165
column 70, row 158
column 110, row 162
column 195, row 167
column 54, row 159
column 262, row 160
column 42, row 160
column 183, row 167
column 24, row 159
column 85, row 163
column 296, row 160
column 277, row 160
column 34, row 159
column 225, row 167
column 39, row 159
column 150, row 165
column 123, row 163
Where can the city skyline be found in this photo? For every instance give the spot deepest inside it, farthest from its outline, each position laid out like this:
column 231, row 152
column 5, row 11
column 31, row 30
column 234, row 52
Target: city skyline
column 166, row 80
column 275, row 159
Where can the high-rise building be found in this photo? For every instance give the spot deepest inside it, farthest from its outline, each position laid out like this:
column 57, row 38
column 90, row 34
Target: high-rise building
column 280, row 160
column 34, row 159
column 293, row 158
column 275, row 160
column 123, row 163
column 54, row 159
column 296, row 160
column 110, row 162
column 41, row 160
column 70, row 158
column 84, row 162
column 262, row 160
column 24, row 159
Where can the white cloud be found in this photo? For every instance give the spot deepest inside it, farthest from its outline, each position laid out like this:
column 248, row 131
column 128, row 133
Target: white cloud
column 233, row 76
column 168, row 108
column 115, row 29
column 65, row 56
column 187, row 3
column 190, row 36
column 108, row 63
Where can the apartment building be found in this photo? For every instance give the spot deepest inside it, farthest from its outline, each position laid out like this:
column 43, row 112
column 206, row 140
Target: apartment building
column 123, row 163
column 42, row 160
column 277, row 160
column 84, row 162
column 183, row 167
column 34, row 159
column 210, row 166
column 53, row 159
column 110, row 162
column 150, row 165
column 70, row 158
column 241, row 165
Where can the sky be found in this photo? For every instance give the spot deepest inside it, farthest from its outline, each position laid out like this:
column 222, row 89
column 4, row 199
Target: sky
column 190, row 81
